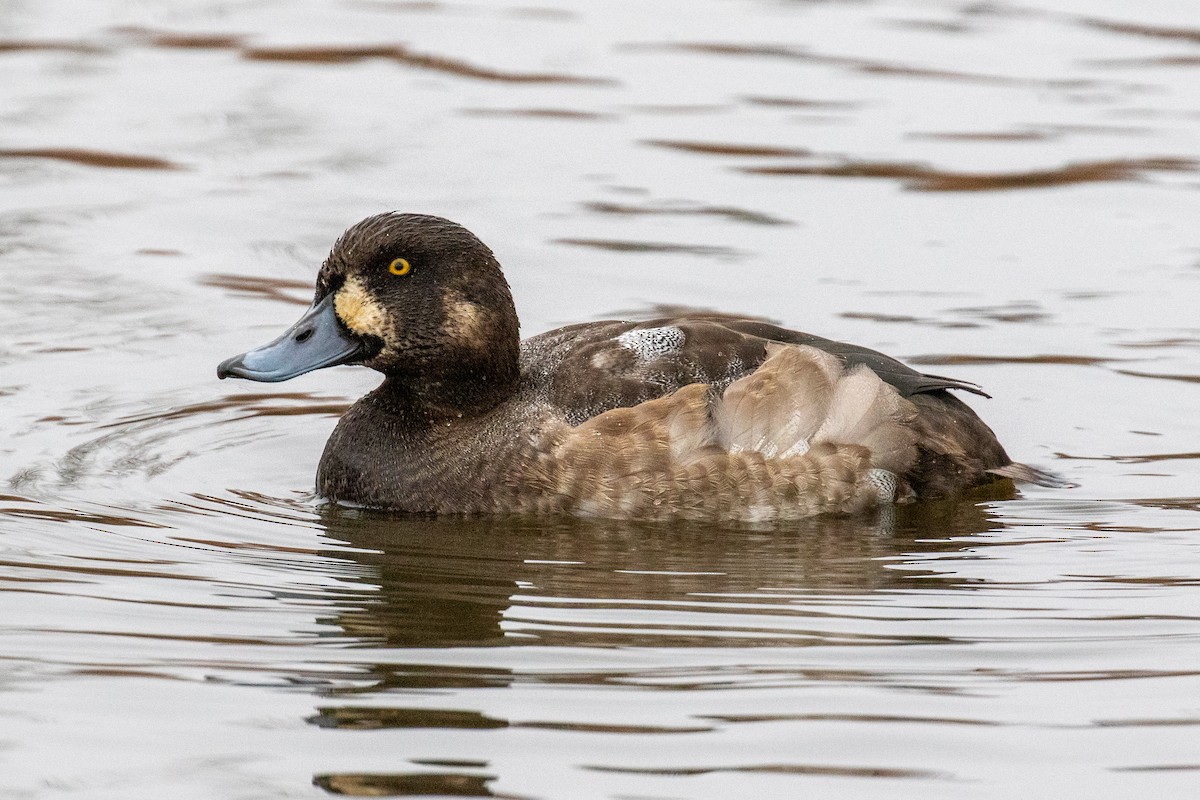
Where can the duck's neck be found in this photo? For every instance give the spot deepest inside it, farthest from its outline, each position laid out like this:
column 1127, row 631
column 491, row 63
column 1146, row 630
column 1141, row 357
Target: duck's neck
column 457, row 389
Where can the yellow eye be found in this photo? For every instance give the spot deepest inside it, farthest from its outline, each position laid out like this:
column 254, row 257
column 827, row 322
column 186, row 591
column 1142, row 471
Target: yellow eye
column 399, row 267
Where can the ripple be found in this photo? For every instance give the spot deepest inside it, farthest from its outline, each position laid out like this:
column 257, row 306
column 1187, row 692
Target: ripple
column 687, row 209
column 449, row 784
column 923, row 178
column 46, row 46
column 92, row 158
column 979, row 360
column 864, row 65
column 863, row 718
column 178, row 40
column 801, row 102
column 276, row 289
column 627, row 246
column 721, row 149
column 377, row 718
column 824, row 770
column 1150, row 458
column 1138, row 29
column 1162, row 376
column 539, row 113
column 344, row 54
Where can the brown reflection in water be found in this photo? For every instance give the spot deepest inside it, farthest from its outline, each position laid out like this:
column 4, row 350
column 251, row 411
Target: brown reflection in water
column 1149, row 458
column 780, row 769
column 906, row 319
column 183, row 41
column 403, row 5
column 936, row 26
column 1135, row 29
column 1041, row 133
column 623, row 246
column 690, row 108
column 247, row 405
column 655, row 310
column 690, row 209
column 371, row 718
column 412, row 784
column 923, row 178
column 960, row 359
column 91, row 158
column 381, row 718
column 25, row 46
column 538, row 113
column 333, row 54
column 1028, row 135
column 451, row 582
column 277, row 289
column 425, row 6
column 717, row 148
column 1158, row 61
column 868, row 718
column 1010, row 312
column 197, row 41
column 31, row 509
column 1162, row 376
column 1168, row 504
column 864, row 65
column 800, row 102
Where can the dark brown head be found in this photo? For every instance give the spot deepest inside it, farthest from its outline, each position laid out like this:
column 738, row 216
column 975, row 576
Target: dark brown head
column 416, row 297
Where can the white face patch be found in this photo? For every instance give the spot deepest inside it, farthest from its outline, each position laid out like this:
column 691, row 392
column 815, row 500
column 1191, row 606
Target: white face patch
column 361, row 312
column 651, row 343
column 465, row 321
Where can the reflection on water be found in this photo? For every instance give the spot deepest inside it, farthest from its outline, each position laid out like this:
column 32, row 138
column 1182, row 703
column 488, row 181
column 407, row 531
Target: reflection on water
column 925, row 179
column 1003, row 191
column 450, row 582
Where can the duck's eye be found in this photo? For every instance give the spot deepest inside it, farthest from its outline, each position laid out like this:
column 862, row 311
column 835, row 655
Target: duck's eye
column 400, row 267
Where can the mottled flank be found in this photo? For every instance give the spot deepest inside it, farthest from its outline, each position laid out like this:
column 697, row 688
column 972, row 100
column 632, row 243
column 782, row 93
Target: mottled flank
column 698, row 415
column 799, row 436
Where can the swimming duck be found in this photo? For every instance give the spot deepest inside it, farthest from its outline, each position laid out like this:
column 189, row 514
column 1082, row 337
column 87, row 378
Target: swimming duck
column 698, row 416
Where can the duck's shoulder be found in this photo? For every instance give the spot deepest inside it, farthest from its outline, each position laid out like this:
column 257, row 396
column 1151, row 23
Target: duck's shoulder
column 589, row 368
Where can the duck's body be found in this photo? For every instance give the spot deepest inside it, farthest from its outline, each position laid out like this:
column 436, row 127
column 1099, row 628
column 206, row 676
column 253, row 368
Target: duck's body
column 697, row 416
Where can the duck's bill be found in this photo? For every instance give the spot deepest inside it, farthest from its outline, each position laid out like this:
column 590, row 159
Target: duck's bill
column 316, row 340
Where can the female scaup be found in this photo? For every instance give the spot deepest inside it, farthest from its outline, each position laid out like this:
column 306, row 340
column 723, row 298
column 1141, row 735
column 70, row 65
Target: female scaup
column 699, row 416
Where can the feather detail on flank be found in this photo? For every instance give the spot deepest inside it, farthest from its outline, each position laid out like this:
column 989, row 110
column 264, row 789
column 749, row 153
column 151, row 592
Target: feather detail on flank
column 799, row 436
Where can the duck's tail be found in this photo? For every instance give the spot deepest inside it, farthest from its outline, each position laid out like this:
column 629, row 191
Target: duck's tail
column 1023, row 473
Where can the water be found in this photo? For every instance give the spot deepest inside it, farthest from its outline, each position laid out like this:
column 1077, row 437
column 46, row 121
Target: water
column 1003, row 192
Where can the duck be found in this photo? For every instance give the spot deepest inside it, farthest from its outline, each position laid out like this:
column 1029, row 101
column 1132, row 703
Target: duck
column 695, row 415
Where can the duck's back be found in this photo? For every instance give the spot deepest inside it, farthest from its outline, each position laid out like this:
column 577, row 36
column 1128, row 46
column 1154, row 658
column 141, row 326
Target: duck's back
column 586, row 370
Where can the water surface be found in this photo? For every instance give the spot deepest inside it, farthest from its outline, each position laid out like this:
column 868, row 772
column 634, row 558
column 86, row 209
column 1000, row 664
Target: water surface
column 1004, row 192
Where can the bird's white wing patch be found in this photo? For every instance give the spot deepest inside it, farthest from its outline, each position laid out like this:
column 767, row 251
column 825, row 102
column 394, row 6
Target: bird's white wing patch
column 651, row 343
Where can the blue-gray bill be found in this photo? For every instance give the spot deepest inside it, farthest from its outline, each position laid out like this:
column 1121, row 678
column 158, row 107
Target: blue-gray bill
column 316, row 340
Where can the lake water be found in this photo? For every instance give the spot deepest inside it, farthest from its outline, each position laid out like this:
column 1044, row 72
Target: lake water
column 1005, row 192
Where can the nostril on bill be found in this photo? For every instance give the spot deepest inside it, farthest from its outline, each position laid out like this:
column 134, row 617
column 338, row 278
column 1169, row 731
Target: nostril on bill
column 304, row 335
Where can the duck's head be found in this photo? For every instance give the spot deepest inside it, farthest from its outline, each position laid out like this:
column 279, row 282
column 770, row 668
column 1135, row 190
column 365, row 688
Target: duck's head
column 418, row 298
